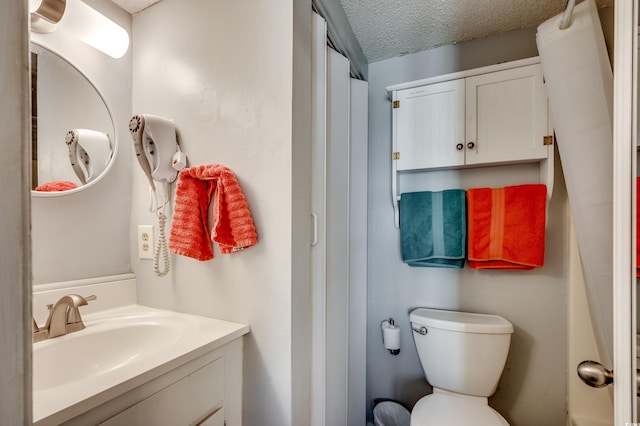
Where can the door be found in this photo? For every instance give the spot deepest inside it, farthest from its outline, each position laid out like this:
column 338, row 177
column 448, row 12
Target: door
column 625, row 169
column 586, row 112
column 625, row 78
column 339, row 217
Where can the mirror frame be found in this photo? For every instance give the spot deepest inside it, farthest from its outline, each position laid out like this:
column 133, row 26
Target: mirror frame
column 116, row 142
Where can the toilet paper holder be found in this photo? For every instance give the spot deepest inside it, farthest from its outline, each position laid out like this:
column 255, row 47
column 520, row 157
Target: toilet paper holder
column 390, row 336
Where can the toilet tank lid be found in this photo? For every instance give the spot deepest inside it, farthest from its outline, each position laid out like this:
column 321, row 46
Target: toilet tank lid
column 465, row 322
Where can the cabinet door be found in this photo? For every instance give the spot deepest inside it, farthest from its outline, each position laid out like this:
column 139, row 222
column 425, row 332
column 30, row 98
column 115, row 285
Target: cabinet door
column 429, row 126
column 507, row 116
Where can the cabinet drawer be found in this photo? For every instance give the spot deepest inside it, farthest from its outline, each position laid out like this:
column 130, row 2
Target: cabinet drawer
column 184, row 402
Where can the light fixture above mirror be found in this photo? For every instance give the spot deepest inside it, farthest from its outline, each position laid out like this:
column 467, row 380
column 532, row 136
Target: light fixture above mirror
column 45, row 14
column 82, row 22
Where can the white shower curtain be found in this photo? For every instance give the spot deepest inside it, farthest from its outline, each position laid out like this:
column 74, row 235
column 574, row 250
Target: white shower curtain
column 580, row 88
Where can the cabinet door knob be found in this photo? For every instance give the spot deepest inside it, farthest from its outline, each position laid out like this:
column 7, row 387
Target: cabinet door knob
column 470, row 145
column 459, row 146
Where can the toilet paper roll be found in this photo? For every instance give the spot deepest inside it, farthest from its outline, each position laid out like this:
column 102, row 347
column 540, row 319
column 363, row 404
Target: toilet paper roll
column 391, row 336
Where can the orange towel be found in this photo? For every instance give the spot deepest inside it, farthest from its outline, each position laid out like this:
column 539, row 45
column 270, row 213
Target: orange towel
column 58, row 185
column 233, row 230
column 506, row 227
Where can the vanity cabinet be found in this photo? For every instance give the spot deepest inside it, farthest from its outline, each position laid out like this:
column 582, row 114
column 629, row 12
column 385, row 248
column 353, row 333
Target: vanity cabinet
column 206, row 391
column 488, row 118
column 197, row 399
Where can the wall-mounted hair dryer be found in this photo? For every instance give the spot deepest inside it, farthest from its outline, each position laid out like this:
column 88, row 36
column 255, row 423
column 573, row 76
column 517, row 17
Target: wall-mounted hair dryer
column 156, row 147
column 158, row 153
column 89, row 153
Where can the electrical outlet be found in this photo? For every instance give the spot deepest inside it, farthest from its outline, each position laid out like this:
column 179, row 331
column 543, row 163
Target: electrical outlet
column 145, row 241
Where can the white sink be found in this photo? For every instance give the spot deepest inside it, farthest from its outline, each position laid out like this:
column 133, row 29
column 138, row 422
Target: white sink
column 118, row 350
column 103, row 347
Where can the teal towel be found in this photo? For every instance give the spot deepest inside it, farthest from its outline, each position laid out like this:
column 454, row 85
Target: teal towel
column 433, row 228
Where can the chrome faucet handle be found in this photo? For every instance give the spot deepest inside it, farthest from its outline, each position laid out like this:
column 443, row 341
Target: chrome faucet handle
column 65, row 314
column 38, row 334
column 64, row 317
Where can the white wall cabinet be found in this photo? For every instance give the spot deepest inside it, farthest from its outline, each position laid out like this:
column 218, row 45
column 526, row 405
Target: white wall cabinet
column 507, row 116
column 490, row 118
column 429, row 127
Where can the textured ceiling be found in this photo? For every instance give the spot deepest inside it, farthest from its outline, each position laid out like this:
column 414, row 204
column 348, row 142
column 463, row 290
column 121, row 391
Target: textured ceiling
column 389, row 28
column 134, row 6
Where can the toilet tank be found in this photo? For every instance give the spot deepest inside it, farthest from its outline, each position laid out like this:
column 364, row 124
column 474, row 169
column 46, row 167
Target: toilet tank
column 461, row 352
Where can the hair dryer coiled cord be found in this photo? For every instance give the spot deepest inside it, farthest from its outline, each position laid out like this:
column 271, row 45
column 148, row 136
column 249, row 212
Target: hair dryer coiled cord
column 161, row 246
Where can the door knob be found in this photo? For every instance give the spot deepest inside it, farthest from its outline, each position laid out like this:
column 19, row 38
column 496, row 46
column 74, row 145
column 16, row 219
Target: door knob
column 470, row 145
column 595, row 375
column 459, row 146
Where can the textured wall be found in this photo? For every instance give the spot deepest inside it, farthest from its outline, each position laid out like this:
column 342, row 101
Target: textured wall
column 226, row 73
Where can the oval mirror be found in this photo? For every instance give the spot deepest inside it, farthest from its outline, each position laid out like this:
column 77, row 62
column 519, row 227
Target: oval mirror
column 73, row 136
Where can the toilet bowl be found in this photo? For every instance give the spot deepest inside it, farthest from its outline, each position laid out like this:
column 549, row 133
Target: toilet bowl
column 462, row 355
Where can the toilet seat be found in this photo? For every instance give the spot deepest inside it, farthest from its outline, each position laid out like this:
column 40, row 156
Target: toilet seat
column 448, row 409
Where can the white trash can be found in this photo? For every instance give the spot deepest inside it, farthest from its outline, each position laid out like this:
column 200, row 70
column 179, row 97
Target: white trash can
column 389, row 413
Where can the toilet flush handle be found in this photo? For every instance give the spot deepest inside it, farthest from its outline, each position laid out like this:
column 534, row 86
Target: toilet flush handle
column 421, row 330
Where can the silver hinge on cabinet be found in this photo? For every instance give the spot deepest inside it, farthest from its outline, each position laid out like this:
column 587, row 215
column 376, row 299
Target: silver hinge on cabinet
column 547, row 140
column 396, row 156
column 396, row 104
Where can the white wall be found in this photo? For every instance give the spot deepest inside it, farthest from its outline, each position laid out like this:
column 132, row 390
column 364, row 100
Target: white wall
column 15, row 291
column 532, row 389
column 235, row 77
column 86, row 234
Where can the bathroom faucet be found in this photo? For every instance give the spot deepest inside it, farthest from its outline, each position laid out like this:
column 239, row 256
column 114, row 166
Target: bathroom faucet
column 64, row 317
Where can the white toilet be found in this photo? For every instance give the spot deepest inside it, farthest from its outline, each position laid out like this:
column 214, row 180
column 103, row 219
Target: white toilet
column 462, row 355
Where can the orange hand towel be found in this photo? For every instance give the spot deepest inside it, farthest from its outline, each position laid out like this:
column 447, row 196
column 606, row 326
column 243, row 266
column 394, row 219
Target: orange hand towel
column 506, row 227
column 233, row 230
